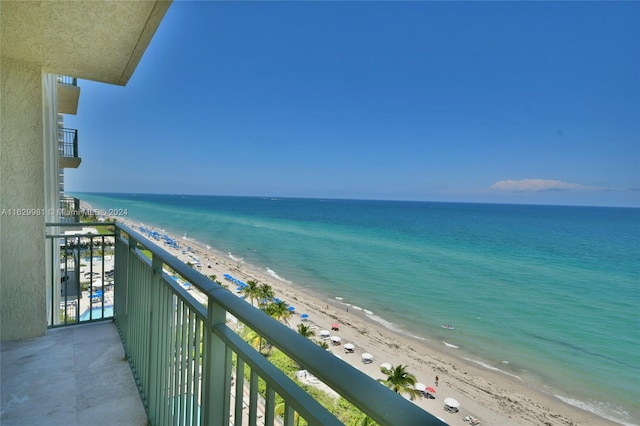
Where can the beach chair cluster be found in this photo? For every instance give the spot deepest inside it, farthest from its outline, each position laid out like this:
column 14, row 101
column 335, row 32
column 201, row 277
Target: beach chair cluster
column 239, row 283
column 96, row 297
column 152, row 233
column 349, row 348
column 451, row 405
column 425, row 391
column 472, row 420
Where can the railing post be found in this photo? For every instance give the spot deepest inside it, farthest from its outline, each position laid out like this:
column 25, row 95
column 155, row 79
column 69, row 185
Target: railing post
column 217, row 373
column 131, row 255
column 154, row 332
column 75, row 144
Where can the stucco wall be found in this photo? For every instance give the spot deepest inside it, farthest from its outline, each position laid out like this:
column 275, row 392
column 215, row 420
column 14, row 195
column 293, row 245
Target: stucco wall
column 22, row 248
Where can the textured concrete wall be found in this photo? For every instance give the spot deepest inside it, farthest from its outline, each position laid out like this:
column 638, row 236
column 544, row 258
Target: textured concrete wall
column 22, row 248
column 93, row 40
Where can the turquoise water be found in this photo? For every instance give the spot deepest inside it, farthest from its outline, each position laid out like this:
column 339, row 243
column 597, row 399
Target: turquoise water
column 549, row 294
column 96, row 313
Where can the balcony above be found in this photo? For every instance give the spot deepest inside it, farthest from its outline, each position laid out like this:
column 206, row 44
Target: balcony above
column 68, row 148
column 68, row 95
column 93, row 40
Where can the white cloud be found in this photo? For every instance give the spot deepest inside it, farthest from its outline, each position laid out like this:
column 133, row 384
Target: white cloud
column 535, row 185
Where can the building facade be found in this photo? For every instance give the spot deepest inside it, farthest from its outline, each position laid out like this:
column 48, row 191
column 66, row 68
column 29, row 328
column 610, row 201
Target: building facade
column 41, row 41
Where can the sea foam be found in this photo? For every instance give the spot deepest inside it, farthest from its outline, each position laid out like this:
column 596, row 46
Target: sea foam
column 608, row 412
column 276, row 276
column 491, row 367
column 390, row 326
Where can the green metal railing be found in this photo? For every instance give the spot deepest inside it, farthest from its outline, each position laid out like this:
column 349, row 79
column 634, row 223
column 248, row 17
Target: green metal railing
column 81, row 278
column 192, row 368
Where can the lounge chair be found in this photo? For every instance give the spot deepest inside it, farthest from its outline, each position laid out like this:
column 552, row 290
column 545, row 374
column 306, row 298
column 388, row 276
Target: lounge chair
column 451, row 409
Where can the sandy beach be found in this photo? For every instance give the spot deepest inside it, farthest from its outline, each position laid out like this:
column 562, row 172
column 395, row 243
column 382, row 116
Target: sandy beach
column 492, row 397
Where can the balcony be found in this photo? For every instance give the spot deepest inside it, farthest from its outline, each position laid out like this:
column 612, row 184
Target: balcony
column 189, row 364
column 69, row 210
column 68, row 148
column 68, row 95
column 71, row 376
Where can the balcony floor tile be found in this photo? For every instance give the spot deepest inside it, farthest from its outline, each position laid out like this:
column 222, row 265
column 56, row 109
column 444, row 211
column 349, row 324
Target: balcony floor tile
column 72, row 376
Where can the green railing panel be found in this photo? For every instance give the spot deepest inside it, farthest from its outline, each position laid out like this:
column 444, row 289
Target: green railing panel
column 183, row 353
column 80, row 289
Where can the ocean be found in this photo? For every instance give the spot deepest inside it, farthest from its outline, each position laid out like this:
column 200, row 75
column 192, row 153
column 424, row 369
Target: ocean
column 548, row 294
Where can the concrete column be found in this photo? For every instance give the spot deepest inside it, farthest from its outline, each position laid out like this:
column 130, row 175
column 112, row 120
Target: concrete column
column 22, row 246
column 51, row 190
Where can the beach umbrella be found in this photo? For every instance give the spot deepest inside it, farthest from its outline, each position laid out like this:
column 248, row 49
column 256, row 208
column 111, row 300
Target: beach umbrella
column 386, row 366
column 336, row 339
column 349, row 346
column 335, row 326
column 304, row 317
column 325, row 333
column 97, row 283
column 367, row 357
column 430, row 390
column 291, row 308
column 451, row 402
column 420, row 387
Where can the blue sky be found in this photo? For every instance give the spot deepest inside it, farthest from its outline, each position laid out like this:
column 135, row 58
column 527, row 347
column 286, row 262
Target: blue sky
column 506, row 102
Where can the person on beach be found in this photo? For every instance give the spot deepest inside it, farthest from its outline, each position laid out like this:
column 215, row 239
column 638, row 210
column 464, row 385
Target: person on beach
column 436, row 380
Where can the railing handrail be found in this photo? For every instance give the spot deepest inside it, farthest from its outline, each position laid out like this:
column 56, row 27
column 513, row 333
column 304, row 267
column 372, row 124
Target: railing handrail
column 380, row 403
column 75, row 225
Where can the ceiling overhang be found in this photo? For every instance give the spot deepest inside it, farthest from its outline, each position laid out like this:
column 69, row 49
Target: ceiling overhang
column 92, row 40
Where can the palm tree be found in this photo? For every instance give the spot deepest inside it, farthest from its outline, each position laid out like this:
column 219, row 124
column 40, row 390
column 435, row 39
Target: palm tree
column 400, row 381
column 214, row 278
column 279, row 310
column 305, row 331
column 362, row 420
column 250, row 290
column 324, row 345
column 265, row 293
column 255, row 340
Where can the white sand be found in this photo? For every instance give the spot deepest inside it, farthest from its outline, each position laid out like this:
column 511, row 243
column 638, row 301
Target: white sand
column 492, row 397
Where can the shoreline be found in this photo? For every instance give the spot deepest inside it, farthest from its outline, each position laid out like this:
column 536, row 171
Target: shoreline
column 492, row 396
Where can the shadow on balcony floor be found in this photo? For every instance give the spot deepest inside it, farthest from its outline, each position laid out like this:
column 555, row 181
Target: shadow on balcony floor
column 72, row 376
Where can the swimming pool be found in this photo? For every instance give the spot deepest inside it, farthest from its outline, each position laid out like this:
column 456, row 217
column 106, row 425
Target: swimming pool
column 96, row 313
